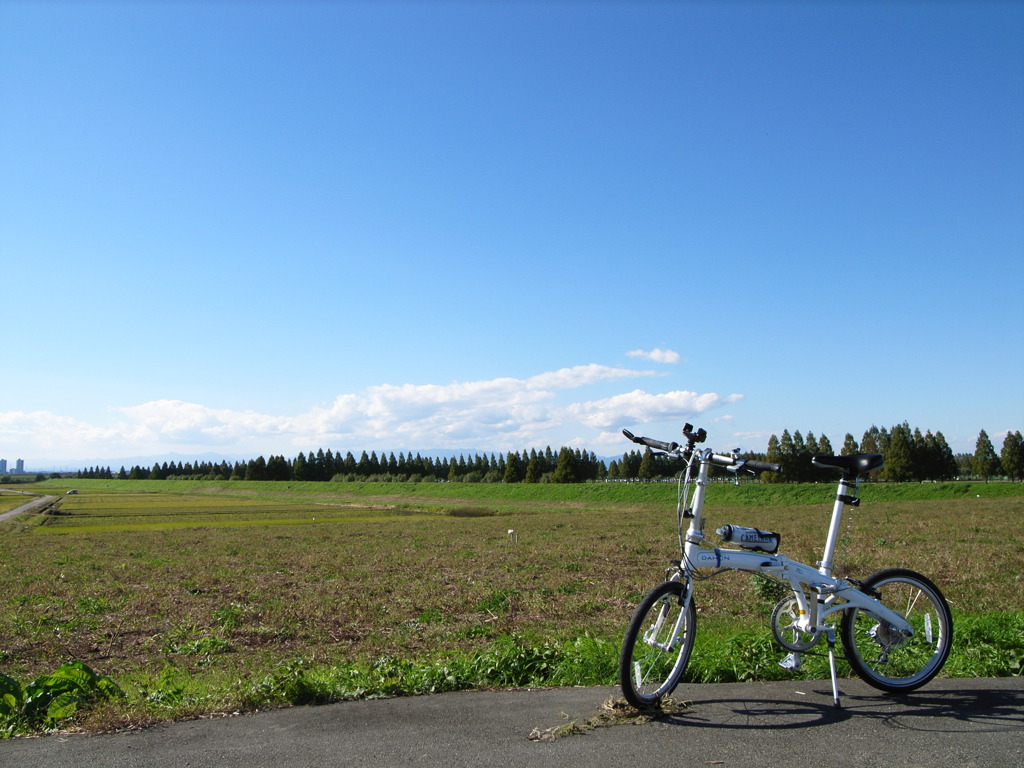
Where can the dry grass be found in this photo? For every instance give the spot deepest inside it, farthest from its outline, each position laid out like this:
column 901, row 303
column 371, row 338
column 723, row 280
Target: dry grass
column 224, row 589
column 613, row 711
column 131, row 596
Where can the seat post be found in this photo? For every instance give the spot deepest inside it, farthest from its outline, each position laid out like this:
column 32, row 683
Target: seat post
column 847, row 482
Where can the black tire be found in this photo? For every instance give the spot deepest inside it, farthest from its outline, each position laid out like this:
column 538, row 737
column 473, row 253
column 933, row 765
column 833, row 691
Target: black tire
column 648, row 671
column 892, row 663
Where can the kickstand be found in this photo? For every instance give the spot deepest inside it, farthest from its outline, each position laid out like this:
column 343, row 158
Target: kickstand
column 831, row 638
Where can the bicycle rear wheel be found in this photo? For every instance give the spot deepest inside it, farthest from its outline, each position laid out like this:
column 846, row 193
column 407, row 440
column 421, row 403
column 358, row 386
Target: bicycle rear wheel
column 657, row 647
column 882, row 657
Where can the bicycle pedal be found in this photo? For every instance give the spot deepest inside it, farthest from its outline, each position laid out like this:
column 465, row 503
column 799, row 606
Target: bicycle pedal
column 791, row 662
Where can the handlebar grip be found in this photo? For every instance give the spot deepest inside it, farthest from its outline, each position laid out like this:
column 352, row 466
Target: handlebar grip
column 761, row 466
column 658, row 445
column 651, row 442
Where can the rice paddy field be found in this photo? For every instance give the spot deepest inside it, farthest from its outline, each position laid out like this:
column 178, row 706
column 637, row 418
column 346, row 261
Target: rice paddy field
column 198, row 597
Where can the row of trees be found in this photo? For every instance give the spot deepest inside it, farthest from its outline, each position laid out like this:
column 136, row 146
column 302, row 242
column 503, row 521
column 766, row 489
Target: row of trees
column 909, row 456
column 567, row 466
column 985, row 463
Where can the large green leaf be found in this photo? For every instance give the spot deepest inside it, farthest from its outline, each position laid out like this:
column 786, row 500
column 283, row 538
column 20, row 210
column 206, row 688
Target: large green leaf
column 8, row 706
column 69, row 675
column 107, row 688
column 11, row 688
column 62, row 707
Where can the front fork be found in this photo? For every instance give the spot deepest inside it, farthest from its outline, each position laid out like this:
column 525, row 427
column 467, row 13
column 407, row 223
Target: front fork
column 675, row 573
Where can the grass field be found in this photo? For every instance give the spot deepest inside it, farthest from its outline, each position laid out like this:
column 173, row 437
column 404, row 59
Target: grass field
column 201, row 597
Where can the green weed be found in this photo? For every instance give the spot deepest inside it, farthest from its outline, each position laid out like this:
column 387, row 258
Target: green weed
column 166, row 691
column 987, row 645
column 51, row 699
column 230, row 616
column 499, row 602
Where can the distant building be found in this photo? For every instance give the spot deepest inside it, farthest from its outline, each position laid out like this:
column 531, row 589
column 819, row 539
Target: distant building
column 3, row 466
column 19, row 467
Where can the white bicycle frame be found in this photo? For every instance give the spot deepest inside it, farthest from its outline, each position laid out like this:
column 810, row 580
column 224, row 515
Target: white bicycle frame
column 831, row 594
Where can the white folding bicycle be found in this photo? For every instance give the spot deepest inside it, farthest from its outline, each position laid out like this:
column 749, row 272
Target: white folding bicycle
column 895, row 625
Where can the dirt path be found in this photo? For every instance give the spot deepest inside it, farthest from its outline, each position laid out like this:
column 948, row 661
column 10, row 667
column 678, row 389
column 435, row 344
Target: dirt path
column 37, row 503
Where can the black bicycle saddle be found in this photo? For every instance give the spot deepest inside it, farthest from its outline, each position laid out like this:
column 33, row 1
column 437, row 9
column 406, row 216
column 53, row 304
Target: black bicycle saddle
column 856, row 463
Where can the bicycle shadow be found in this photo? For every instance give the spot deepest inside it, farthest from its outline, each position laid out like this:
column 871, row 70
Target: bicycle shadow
column 952, row 711
column 939, row 710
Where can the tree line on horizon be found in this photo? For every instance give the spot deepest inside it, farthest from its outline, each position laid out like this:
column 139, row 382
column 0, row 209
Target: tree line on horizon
column 569, row 465
column 910, row 455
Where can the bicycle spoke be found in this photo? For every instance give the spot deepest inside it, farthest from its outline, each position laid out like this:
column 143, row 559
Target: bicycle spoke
column 879, row 653
column 657, row 646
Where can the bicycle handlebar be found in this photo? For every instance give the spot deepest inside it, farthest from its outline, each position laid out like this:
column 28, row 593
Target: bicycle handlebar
column 730, row 462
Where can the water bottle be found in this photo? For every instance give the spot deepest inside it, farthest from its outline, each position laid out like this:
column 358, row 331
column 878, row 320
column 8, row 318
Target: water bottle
column 750, row 538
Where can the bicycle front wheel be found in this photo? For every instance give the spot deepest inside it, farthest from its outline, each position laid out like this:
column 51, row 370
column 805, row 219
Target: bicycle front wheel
column 878, row 653
column 657, row 647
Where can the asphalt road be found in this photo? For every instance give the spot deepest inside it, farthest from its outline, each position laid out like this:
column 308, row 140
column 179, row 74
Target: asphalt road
column 963, row 723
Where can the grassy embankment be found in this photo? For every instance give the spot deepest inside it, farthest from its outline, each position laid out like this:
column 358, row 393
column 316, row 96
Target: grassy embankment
column 219, row 597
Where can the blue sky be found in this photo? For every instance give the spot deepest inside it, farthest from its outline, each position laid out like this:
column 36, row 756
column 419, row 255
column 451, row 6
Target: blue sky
column 272, row 227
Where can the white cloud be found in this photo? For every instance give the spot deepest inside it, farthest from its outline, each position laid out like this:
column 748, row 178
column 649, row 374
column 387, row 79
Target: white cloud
column 23, row 433
column 504, row 411
column 179, row 422
column 656, row 355
column 577, row 376
column 639, row 407
column 496, row 414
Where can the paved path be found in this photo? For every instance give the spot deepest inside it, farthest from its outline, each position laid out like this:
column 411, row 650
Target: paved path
column 963, row 723
column 38, row 501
